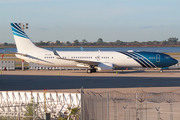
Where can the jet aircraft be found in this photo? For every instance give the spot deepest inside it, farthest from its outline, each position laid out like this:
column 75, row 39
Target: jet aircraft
column 92, row 60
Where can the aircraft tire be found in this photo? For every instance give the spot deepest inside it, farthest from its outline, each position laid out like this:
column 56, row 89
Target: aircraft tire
column 93, row 70
column 89, row 71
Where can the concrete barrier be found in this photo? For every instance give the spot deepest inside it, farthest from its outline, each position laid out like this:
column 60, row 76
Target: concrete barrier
column 34, row 66
column 7, row 65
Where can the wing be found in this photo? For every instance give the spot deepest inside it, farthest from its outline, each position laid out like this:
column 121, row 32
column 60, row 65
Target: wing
column 89, row 62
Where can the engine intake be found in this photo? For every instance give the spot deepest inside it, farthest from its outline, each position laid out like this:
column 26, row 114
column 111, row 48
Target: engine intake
column 105, row 66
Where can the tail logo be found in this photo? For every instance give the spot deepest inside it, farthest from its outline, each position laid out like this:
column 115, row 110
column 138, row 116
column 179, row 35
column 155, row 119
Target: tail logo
column 18, row 31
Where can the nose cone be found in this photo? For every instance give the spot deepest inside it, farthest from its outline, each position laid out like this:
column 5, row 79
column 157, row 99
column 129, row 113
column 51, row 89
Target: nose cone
column 174, row 61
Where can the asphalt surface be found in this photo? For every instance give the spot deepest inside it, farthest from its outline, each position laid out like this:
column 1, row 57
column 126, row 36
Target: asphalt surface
column 11, row 81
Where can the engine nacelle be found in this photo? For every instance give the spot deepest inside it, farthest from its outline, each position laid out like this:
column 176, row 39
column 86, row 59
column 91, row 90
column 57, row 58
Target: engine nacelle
column 105, row 66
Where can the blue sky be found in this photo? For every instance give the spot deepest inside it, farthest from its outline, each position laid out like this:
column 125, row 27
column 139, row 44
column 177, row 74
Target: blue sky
column 111, row 20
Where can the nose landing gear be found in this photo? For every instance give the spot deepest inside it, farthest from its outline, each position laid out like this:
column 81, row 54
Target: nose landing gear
column 161, row 71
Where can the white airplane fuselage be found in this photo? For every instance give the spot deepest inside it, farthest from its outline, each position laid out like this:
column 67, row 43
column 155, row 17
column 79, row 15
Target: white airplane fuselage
column 49, row 59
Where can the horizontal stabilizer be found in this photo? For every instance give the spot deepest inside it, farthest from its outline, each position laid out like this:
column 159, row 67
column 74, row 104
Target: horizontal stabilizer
column 16, row 53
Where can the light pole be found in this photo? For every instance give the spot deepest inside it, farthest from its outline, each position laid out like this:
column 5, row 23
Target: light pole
column 23, row 27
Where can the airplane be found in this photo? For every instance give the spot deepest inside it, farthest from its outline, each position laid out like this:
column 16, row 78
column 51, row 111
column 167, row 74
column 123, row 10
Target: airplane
column 92, row 60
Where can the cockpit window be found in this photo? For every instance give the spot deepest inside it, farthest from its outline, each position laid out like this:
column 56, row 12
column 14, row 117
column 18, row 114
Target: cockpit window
column 167, row 57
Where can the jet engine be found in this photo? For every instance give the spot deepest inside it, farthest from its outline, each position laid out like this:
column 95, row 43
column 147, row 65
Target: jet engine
column 105, row 66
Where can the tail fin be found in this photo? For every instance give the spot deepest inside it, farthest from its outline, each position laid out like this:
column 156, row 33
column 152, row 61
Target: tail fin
column 23, row 42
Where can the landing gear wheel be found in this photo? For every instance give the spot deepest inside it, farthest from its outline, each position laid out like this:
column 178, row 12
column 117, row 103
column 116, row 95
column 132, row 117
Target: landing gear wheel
column 161, row 71
column 89, row 70
column 93, row 70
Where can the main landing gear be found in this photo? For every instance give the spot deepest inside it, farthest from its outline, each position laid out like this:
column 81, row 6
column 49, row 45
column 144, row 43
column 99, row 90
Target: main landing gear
column 161, row 71
column 91, row 70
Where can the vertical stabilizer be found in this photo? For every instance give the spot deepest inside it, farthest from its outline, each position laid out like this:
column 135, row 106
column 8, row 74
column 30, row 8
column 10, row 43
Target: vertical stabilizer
column 23, row 42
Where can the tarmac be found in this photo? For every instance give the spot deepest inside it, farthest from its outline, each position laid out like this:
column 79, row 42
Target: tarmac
column 127, row 81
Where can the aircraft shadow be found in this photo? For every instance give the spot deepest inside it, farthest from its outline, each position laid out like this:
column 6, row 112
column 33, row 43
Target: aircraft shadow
column 131, row 71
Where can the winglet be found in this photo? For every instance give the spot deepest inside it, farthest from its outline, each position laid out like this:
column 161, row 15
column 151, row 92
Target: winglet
column 55, row 53
column 16, row 53
column 81, row 48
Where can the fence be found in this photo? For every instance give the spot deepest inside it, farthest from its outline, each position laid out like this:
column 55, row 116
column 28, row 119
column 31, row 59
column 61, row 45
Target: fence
column 34, row 105
column 130, row 106
column 112, row 105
